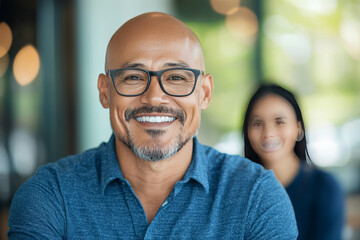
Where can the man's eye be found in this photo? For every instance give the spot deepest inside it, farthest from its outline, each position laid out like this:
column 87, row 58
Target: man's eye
column 176, row 78
column 133, row 77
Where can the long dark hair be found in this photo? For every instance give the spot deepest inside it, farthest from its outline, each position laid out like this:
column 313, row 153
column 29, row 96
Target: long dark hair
column 300, row 148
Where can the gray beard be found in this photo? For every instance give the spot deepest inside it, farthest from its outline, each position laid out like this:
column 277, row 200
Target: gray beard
column 155, row 152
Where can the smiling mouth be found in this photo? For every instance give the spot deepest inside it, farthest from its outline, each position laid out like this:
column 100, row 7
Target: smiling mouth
column 155, row 115
column 155, row 119
column 271, row 146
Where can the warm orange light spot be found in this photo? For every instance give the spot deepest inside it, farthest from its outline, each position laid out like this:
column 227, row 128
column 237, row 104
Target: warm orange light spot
column 4, row 63
column 5, row 38
column 26, row 65
column 225, row 6
column 243, row 23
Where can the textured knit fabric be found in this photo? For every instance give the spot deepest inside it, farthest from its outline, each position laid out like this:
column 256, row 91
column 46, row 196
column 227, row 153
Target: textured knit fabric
column 318, row 203
column 86, row 197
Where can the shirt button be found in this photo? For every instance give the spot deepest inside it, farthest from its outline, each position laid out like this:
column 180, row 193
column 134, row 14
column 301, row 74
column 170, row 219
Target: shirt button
column 166, row 202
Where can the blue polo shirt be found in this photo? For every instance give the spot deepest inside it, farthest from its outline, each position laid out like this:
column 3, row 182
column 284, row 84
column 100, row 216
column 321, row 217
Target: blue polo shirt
column 86, row 197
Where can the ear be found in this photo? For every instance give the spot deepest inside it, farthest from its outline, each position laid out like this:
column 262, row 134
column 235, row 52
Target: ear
column 300, row 134
column 299, row 127
column 207, row 87
column 104, row 93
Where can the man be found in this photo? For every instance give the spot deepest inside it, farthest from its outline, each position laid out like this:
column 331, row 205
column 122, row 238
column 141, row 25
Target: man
column 153, row 179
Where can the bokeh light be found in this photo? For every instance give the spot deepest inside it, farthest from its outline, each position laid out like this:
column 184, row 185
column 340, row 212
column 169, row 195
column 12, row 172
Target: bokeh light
column 350, row 35
column 5, row 39
column 326, row 147
column 26, row 65
column 320, row 7
column 294, row 40
column 23, row 150
column 242, row 23
column 225, row 6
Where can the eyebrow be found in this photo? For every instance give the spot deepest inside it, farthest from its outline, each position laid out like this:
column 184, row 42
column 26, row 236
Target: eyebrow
column 177, row 64
column 133, row 65
column 254, row 118
column 257, row 118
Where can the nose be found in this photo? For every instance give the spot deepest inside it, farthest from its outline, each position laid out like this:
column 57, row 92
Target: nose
column 154, row 95
column 268, row 131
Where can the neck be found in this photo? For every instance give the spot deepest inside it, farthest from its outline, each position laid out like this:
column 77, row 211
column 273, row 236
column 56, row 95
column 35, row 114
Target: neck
column 285, row 169
column 152, row 182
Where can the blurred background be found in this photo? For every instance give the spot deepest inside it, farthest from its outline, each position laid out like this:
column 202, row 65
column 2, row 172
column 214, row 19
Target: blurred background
column 51, row 52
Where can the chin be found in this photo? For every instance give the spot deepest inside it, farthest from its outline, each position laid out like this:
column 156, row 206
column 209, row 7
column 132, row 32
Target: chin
column 270, row 156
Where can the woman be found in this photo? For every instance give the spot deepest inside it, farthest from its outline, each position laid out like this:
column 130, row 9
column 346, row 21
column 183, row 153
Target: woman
column 274, row 136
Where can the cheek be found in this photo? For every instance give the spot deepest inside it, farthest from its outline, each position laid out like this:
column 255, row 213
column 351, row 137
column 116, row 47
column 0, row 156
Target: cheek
column 116, row 120
column 193, row 119
column 117, row 117
column 254, row 137
column 289, row 138
column 290, row 134
column 192, row 109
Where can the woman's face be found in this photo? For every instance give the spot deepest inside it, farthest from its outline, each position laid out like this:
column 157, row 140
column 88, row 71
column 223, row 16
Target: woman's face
column 273, row 129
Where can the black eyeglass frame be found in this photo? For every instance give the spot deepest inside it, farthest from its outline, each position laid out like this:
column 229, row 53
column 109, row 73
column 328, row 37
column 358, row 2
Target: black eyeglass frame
column 158, row 74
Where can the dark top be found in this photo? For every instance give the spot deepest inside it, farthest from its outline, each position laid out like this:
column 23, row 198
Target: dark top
column 86, row 197
column 318, row 202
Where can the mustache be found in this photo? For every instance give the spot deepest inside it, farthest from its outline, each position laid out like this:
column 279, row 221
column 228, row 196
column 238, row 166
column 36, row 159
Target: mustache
column 178, row 113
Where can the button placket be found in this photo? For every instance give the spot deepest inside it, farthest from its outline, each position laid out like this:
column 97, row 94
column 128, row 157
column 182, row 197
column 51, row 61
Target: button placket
column 139, row 220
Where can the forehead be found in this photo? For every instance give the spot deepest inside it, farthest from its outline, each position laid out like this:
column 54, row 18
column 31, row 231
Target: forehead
column 153, row 51
column 154, row 44
column 272, row 106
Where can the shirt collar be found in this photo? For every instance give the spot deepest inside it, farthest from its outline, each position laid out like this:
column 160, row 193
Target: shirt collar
column 198, row 168
column 109, row 165
column 110, row 170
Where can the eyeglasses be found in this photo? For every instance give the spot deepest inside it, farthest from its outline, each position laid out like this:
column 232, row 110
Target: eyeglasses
column 177, row 82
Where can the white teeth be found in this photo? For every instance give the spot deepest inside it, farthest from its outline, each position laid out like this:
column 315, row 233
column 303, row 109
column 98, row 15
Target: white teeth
column 155, row 119
column 270, row 146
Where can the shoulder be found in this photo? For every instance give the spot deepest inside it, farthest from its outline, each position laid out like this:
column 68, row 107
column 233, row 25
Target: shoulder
column 79, row 165
column 325, row 182
column 50, row 178
column 328, row 195
column 328, row 209
column 239, row 175
column 252, row 191
column 39, row 202
column 234, row 165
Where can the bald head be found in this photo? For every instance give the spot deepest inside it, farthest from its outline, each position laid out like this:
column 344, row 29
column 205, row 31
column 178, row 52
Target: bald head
column 153, row 33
